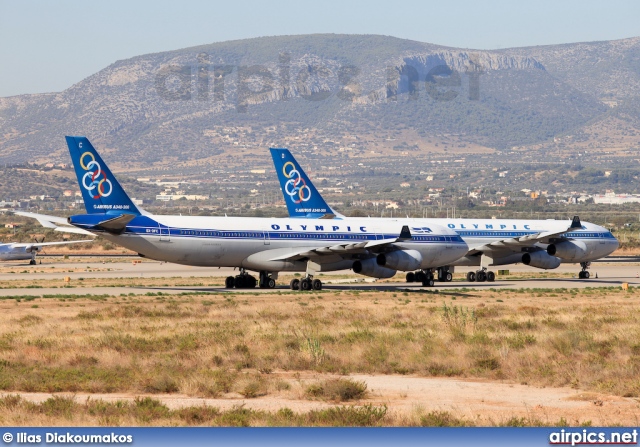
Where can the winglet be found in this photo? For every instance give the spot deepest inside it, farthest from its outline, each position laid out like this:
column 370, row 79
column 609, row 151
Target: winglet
column 575, row 223
column 405, row 234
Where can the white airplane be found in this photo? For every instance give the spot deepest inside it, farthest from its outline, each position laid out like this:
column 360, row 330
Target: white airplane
column 265, row 245
column 543, row 244
column 22, row 251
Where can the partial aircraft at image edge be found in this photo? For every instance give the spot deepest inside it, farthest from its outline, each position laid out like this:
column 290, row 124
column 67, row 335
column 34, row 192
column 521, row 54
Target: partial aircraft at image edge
column 22, row 251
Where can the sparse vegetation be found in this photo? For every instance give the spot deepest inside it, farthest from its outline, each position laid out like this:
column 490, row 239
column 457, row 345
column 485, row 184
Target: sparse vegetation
column 233, row 346
column 338, row 390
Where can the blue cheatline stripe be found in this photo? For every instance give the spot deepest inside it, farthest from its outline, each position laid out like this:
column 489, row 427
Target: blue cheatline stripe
column 511, row 234
column 293, row 235
column 273, row 235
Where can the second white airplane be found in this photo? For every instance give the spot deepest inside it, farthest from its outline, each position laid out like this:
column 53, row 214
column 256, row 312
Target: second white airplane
column 543, row 244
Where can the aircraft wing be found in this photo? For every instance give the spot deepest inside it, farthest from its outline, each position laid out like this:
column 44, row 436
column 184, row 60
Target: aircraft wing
column 336, row 252
column 528, row 240
column 55, row 223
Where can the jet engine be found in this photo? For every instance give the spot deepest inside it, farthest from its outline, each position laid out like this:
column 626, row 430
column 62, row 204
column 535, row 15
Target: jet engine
column 369, row 267
column 403, row 260
column 540, row 259
column 569, row 250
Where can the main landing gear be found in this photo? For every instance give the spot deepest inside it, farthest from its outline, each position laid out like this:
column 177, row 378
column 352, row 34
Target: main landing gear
column 481, row 275
column 246, row 281
column 423, row 276
column 584, row 273
column 267, row 281
column 306, row 283
column 426, row 277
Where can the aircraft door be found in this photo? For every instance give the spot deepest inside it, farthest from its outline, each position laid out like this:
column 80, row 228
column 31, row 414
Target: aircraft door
column 165, row 235
column 267, row 239
column 448, row 244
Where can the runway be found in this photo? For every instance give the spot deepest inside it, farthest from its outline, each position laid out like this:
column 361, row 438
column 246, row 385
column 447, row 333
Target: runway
column 612, row 273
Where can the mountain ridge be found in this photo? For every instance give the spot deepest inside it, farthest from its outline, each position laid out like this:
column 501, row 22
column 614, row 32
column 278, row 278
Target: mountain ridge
column 145, row 107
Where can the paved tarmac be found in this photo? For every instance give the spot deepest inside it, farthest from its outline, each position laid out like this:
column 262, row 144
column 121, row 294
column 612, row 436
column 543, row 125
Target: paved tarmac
column 612, row 273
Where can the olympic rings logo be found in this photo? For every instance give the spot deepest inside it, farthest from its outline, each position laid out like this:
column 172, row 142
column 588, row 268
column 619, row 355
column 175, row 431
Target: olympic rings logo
column 296, row 188
column 97, row 185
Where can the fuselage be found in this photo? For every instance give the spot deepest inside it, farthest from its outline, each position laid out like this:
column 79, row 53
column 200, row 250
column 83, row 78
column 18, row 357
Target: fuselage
column 10, row 253
column 476, row 233
column 254, row 243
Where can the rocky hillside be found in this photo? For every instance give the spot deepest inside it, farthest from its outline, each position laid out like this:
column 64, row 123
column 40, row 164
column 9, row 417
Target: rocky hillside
column 171, row 106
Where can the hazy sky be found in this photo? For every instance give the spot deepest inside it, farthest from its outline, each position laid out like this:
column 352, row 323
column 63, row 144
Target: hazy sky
column 47, row 46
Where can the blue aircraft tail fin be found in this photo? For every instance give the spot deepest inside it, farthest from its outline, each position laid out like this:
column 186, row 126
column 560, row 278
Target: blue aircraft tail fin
column 301, row 197
column 100, row 190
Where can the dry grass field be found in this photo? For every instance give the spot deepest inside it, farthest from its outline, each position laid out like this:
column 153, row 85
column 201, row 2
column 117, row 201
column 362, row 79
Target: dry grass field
column 307, row 358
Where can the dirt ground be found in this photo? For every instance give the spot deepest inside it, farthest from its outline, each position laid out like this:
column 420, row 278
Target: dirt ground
column 478, row 401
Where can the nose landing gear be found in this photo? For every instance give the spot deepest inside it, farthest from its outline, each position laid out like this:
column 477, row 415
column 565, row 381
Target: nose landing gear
column 584, row 273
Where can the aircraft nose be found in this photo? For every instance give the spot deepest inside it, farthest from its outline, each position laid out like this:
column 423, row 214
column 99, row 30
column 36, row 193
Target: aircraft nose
column 615, row 244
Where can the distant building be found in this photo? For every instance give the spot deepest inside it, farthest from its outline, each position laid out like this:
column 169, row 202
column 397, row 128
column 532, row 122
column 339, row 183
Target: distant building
column 612, row 198
column 169, row 197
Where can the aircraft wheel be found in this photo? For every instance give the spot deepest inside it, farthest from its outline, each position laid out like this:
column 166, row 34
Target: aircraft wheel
column 271, row 283
column 471, row 277
column 448, row 277
column 581, row 275
column 229, row 282
column 317, row 284
column 429, row 282
column 420, row 276
column 481, row 276
column 411, row 277
column 32, row 262
column 295, row 284
column 491, row 277
column 586, row 275
column 305, row 284
column 251, row 282
column 239, row 282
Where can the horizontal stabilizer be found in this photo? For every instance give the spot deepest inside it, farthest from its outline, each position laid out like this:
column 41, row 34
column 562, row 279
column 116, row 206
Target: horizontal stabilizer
column 46, row 244
column 55, row 223
column 117, row 224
